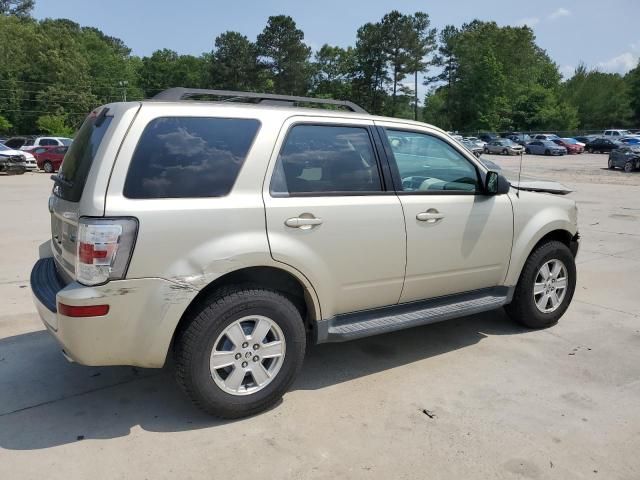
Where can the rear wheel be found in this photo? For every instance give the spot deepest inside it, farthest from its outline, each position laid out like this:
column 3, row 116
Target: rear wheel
column 547, row 152
column 240, row 351
column 545, row 287
column 527, row 151
column 505, row 151
column 628, row 167
column 610, row 164
column 48, row 167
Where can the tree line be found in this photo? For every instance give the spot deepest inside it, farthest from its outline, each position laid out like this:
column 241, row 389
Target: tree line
column 479, row 76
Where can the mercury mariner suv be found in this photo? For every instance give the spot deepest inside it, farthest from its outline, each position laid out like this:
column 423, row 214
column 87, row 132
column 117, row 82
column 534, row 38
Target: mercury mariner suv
column 231, row 234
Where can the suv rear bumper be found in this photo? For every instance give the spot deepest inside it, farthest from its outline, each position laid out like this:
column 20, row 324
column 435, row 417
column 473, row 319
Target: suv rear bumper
column 137, row 330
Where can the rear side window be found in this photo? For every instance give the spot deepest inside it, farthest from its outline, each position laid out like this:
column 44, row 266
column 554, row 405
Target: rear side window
column 79, row 158
column 189, row 157
column 322, row 159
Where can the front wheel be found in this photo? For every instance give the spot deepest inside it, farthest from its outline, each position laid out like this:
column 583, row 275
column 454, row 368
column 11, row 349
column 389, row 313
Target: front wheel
column 240, row 351
column 48, row 167
column 527, row 151
column 505, row 151
column 610, row 164
column 628, row 167
column 546, row 286
column 547, row 152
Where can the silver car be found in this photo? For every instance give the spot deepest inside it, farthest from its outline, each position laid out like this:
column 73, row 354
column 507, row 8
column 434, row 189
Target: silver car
column 545, row 147
column 503, row 146
column 232, row 236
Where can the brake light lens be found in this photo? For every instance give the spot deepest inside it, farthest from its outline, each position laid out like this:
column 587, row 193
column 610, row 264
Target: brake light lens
column 104, row 247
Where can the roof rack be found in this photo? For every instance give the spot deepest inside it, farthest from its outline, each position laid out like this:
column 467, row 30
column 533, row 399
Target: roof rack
column 181, row 93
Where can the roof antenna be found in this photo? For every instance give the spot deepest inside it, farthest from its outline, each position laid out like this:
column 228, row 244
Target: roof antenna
column 520, row 170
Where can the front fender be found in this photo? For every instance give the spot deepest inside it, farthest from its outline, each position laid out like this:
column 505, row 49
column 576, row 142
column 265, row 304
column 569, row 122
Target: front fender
column 537, row 215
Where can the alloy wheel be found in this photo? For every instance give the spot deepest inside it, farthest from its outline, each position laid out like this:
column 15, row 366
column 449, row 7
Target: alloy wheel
column 550, row 286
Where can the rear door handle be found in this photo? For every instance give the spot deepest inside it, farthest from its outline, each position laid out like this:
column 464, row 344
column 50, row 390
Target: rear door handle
column 430, row 216
column 304, row 223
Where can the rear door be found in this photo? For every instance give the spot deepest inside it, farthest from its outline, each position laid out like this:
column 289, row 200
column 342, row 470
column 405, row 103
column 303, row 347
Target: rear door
column 458, row 239
column 329, row 216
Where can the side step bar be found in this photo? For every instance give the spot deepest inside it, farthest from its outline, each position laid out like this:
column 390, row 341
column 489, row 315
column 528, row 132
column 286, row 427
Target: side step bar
column 397, row 317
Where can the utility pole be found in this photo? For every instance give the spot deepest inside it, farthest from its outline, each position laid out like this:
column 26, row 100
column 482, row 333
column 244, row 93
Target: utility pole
column 123, row 84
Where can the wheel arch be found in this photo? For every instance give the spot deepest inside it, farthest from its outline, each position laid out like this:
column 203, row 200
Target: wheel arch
column 292, row 285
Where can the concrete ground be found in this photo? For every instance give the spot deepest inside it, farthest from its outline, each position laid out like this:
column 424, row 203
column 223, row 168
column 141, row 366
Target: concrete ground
column 478, row 397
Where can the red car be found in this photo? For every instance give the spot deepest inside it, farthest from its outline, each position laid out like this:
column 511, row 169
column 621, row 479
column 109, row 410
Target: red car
column 49, row 158
column 571, row 147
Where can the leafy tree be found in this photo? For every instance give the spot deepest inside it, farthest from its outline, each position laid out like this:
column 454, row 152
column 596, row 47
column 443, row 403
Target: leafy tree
column 18, row 8
column 234, row 63
column 285, row 55
column 396, row 31
column 166, row 69
column 54, row 125
column 633, row 84
column 421, row 43
column 5, row 125
column 371, row 65
column 334, row 71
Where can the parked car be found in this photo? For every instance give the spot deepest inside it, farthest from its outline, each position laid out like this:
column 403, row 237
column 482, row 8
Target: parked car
column 545, row 147
column 473, row 147
column 30, row 142
column 182, row 249
column 12, row 163
column 519, row 138
column 49, row 159
column 503, row 146
column 626, row 157
column 480, row 143
column 602, row 145
column 487, row 137
column 631, row 140
column 584, row 139
column 615, row 133
column 572, row 148
column 29, row 160
column 545, row 136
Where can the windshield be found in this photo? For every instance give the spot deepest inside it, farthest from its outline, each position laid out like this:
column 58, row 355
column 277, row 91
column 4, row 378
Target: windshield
column 77, row 162
column 572, row 141
column 66, row 141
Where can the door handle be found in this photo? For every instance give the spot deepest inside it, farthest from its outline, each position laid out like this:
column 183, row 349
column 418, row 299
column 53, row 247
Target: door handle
column 430, row 216
column 304, row 223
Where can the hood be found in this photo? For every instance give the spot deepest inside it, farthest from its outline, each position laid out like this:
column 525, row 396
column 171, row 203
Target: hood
column 542, row 186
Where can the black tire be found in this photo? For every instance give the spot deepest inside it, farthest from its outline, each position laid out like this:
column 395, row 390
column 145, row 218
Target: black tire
column 547, row 152
column 522, row 308
column 610, row 164
column 48, row 167
column 505, row 151
column 194, row 344
column 628, row 167
column 486, row 150
column 527, row 151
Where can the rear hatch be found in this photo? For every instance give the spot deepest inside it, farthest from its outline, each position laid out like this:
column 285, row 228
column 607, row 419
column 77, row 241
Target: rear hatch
column 65, row 202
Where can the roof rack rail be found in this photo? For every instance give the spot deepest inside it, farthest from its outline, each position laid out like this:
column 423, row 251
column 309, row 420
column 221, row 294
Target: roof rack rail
column 181, row 93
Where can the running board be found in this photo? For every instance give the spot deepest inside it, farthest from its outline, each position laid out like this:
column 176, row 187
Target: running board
column 397, row 317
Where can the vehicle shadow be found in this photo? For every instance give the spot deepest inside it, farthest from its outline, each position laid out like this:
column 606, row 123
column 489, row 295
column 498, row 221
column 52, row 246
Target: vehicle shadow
column 46, row 401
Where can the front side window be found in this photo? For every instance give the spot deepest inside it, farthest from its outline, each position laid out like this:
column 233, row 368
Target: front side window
column 48, row 142
column 189, row 157
column 323, row 159
column 425, row 163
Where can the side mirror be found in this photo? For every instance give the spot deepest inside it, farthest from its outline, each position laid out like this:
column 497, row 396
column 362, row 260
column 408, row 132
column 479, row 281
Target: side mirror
column 496, row 184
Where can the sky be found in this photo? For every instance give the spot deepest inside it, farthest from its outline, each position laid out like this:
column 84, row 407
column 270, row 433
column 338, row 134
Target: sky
column 602, row 34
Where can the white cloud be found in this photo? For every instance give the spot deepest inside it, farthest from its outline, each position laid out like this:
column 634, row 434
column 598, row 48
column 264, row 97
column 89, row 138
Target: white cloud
column 528, row 21
column 620, row 64
column 559, row 13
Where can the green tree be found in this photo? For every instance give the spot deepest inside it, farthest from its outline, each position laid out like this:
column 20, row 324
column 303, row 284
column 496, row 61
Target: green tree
column 234, row 63
column 285, row 55
column 5, row 125
column 421, row 44
column 166, row 69
column 334, row 70
column 54, row 125
column 18, row 8
column 633, row 85
column 371, row 67
column 396, row 31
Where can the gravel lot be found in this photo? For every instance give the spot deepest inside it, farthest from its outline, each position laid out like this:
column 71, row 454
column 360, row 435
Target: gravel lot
column 477, row 397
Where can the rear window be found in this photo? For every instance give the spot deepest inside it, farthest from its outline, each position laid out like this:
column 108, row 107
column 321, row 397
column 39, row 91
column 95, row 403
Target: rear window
column 79, row 157
column 189, row 157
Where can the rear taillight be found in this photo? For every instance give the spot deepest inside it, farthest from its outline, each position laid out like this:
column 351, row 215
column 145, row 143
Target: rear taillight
column 104, row 247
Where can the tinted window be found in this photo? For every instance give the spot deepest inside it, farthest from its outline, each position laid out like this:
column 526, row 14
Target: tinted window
column 79, row 158
column 48, row 141
column 426, row 163
column 40, row 150
column 15, row 143
column 182, row 157
column 324, row 158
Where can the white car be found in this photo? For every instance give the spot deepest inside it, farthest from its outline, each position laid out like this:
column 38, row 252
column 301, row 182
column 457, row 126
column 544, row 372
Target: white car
column 618, row 133
column 477, row 141
column 27, row 143
column 546, row 136
column 30, row 160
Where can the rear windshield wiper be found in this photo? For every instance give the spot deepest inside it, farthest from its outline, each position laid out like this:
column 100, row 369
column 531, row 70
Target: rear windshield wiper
column 62, row 181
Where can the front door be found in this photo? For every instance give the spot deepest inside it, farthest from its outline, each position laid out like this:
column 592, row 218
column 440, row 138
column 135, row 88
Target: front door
column 328, row 214
column 458, row 239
